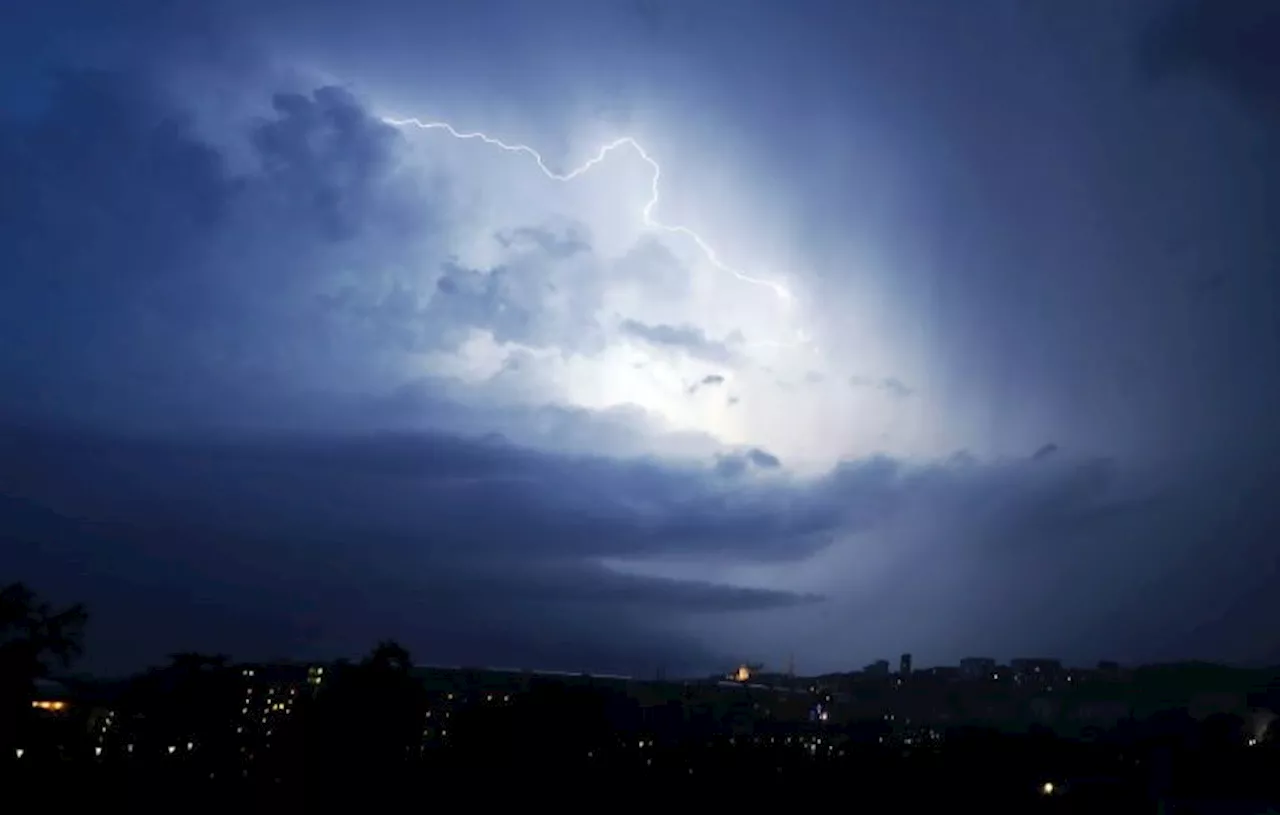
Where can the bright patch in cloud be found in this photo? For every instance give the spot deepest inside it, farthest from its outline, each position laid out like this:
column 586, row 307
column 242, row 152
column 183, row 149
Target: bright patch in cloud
column 638, row 312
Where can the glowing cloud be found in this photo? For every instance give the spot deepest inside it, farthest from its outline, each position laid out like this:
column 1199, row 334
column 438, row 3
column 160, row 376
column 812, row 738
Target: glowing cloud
column 772, row 402
column 650, row 221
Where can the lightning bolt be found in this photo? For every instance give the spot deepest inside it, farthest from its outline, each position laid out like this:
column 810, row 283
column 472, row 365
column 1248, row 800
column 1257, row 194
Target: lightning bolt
column 650, row 221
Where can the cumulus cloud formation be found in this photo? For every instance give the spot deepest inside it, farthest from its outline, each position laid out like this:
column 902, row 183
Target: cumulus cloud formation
column 282, row 288
column 184, row 275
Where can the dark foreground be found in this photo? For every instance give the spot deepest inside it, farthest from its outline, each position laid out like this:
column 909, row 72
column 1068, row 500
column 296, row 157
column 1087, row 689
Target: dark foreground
column 984, row 772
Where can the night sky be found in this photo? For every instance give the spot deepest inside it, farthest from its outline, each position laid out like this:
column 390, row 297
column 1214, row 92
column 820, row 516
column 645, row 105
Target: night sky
column 279, row 378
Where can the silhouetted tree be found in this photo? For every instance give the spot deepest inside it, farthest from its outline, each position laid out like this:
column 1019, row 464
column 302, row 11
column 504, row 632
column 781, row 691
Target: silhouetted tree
column 389, row 656
column 193, row 700
column 368, row 722
column 34, row 638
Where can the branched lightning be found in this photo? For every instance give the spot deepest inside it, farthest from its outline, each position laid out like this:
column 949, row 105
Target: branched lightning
column 647, row 213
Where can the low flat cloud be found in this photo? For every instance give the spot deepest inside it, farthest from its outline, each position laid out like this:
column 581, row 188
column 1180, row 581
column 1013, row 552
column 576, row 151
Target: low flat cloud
column 480, row 533
column 330, row 541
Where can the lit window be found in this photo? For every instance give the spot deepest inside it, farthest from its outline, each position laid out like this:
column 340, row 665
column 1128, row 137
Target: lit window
column 97, row 751
column 172, row 749
column 20, row 752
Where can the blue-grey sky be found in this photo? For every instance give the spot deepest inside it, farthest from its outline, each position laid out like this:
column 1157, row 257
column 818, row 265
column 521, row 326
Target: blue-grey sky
column 960, row 337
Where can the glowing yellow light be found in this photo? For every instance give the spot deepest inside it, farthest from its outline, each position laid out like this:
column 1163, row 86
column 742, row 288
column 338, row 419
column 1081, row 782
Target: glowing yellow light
column 1048, row 788
column 46, row 705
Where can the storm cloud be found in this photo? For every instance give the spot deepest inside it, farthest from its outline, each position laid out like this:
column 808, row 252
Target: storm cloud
column 281, row 379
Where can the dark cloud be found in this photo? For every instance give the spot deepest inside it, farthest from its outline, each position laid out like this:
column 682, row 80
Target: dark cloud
column 556, row 245
column 1008, row 548
column 197, row 246
column 320, row 544
column 889, row 385
column 687, row 338
column 442, row 490
column 173, row 275
column 276, row 528
column 436, row 404
column 516, row 301
column 762, row 459
column 708, row 381
column 188, row 285
column 285, row 254
column 1044, row 452
column 735, row 464
column 327, row 155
